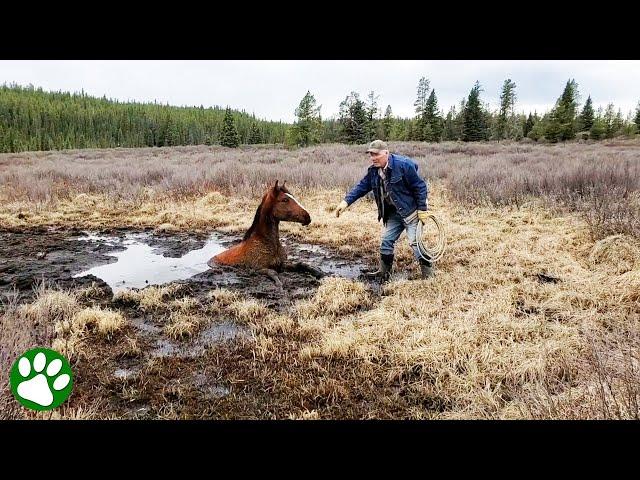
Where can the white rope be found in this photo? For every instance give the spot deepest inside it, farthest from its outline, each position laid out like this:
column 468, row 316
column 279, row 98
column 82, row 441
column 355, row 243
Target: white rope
column 431, row 254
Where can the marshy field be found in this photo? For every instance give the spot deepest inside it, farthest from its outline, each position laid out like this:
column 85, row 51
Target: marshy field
column 534, row 312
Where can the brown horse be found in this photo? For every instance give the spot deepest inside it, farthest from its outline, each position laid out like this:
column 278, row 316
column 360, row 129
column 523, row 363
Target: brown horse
column 260, row 248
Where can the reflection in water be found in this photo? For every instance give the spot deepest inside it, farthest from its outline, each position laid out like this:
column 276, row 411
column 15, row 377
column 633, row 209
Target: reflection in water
column 138, row 266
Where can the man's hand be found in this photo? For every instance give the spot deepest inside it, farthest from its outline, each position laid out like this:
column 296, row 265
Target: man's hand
column 341, row 208
column 423, row 215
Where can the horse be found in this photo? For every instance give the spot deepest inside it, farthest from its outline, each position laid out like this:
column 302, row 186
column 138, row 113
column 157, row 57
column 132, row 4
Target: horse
column 260, row 248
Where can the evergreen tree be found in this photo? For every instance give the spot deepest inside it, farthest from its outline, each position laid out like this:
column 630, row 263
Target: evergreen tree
column 562, row 119
column 507, row 105
column 433, row 121
column 586, row 117
column 371, row 127
column 387, row 124
column 353, row 119
column 230, row 136
column 528, row 125
column 618, row 124
column 308, row 128
column 636, row 120
column 475, row 126
column 449, row 131
column 598, row 129
column 420, row 105
column 255, row 136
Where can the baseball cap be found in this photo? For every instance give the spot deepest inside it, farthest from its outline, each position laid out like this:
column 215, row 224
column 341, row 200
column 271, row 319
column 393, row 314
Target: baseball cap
column 376, row 146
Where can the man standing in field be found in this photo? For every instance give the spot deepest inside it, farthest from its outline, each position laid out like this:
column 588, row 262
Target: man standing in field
column 401, row 197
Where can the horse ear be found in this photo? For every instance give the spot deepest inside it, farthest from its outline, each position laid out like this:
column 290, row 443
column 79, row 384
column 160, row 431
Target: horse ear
column 275, row 187
column 283, row 184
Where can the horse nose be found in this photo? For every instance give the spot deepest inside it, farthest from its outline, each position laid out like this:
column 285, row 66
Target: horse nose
column 307, row 220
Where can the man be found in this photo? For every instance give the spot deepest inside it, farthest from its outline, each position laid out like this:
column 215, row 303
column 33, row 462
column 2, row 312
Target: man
column 401, row 197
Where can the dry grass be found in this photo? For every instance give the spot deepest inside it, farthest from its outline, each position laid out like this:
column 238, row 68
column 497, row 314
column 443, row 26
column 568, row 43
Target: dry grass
column 245, row 311
column 534, row 312
column 106, row 322
column 222, row 297
column 195, row 187
column 181, row 325
column 149, row 299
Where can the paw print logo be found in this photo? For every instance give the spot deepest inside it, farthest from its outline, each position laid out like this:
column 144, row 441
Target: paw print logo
column 41, row 379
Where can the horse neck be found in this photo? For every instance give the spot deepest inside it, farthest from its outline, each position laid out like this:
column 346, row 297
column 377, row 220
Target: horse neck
column 268, row 227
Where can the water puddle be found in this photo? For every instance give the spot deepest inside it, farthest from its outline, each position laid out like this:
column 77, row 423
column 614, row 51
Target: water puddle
column 125, row 373
column 328, row 263
column 141, row 265
column 210, row 390
column 221, row 332
column 143, row 260
column 211, row 335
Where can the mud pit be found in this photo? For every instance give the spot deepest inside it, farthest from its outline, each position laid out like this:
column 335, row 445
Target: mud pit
column 163, row 377
column 123, row 259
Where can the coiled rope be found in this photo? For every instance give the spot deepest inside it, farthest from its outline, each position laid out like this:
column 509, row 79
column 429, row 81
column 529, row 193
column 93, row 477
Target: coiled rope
column 431, row 254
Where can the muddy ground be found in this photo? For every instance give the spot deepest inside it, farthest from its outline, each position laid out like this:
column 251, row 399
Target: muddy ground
column 55, row 256
column 212, row 374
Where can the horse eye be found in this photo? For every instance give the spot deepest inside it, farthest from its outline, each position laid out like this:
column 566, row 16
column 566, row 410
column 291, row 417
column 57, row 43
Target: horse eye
column 285, row 199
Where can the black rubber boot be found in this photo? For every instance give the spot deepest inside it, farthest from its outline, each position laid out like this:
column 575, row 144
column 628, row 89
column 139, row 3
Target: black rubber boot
column 384, row 272
column 426, row 269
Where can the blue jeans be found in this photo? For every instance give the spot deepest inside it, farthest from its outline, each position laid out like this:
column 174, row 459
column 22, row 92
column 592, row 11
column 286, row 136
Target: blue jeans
column 392, row 231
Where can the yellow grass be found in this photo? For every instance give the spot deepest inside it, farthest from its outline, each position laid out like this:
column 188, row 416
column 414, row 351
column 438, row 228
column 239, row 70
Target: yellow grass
column 484, row 337
column 183, row 324
column 149, row 299
column 105, row 321
column 245, row 311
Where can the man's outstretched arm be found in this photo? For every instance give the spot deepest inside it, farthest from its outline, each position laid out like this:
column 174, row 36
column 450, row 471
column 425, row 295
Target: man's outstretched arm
column 360, row 190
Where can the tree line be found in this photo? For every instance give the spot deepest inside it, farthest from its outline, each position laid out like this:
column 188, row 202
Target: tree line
column 32, row 119
column 360, row 120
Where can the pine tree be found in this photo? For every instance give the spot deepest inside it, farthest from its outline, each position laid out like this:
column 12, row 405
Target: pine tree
column 618, row 124
column 420, row 105
column 475, row 127
column 353, row 119
column 449, row 131
column 230, row 136
column 562, row 120
column 308, row 128
column 433, row 121
column 255, row 136
column 528, row 125
column 387, row 124
column 372, row 116
column 598, row 129
column 539, row 127
column 507, row 105
column 586, row 117
column 422, row 96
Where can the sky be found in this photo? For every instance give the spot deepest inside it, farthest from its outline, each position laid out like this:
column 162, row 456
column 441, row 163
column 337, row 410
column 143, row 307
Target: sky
column 273, row 89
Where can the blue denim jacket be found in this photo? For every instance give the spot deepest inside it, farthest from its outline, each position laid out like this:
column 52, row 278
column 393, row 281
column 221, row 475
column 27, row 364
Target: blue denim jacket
column 407, row 190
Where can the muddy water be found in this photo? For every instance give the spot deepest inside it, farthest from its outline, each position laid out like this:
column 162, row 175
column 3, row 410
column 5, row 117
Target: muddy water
column 140, row 265
column 210, row 336
column 123, row 258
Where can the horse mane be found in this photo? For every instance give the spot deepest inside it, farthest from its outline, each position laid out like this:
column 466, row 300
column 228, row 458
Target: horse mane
column 256, row 218
column 254, row 225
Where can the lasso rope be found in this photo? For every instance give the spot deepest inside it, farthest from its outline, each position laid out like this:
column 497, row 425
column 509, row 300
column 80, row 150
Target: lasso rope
column 431, row 254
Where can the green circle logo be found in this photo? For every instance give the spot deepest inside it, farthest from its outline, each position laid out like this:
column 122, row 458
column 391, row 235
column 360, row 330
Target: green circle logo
column 41, row 379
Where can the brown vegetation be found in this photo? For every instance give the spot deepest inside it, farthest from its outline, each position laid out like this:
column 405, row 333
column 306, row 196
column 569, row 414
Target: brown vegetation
column 534, row 312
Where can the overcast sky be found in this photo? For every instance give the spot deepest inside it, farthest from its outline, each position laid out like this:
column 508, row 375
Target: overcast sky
column 273, row 89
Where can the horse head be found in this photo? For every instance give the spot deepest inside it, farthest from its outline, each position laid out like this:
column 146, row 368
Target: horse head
column 285, row 207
